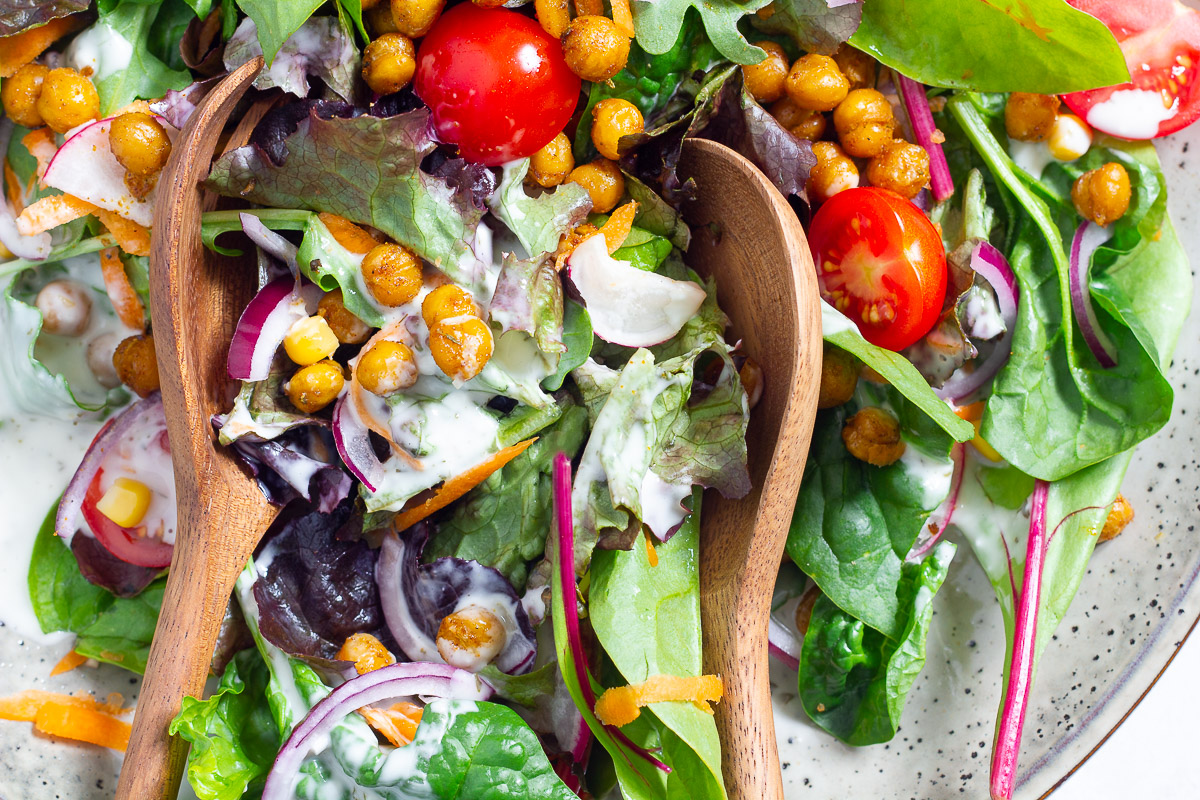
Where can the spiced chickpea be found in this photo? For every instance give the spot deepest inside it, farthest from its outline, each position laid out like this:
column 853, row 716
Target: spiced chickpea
column 392, row 274
column 99, row 357
column 66, row 307
column 366, row 653
column 551, row 165
column 839, row 377
column 1030, row 117
column 461, row 346
column 139, row 142
column 765, row 81
column 387, row 368
column 379, row 19
column 834, row 172
column 446, row 302
column 604, row 183
column 135, row 364
column 595, row 48
column 815, row 83
column 611, row 119
column 67, row 100
column 810, row 126
column 873, row 435
column 864, row 123
column 1119, row 516
column 315, row 386
column 19, row 95
column 787, row 113
column 414, row 18
column 389, row 63
column 347, row 327
column 1102, row 195
column 857, row 66
column 902, row 167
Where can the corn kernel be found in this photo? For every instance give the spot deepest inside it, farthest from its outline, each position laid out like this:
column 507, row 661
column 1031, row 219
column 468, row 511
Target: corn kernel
column 125, row 502
column 1070, row 137
column 310, row 340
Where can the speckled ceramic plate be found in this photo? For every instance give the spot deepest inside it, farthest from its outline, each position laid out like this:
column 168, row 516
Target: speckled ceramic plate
column 1131, row 614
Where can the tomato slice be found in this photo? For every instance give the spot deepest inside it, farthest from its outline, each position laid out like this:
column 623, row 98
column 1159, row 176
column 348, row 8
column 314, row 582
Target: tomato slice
column 1161, row 43
column 497, row 84
column 131, row 545
column 880, row 262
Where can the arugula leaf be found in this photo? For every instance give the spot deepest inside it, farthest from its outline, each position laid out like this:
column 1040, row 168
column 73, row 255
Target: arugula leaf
column 815, row 25
column 145, row 76
column 855, row 523
column 20, row 15
column 854, row 680
column 657, row 24
column 503, row 522
column 367, row 169
column 277, row 20
column 647, row 619
column 1043, row 46
column 233, row 737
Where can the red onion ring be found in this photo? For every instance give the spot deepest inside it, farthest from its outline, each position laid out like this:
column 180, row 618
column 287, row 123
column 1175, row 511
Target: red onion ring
column 271, row 242
column 1087, row 240
column 389, row 578
column 941, row 516
column 991, row 265
column 783, row 644
column 353, row 441
column 262, row 328
column 916, row 103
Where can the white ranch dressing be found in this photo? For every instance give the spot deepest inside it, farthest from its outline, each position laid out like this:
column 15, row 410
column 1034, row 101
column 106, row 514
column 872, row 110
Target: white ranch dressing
column 1033, row 157
column 1131, row 113
column 101, row 49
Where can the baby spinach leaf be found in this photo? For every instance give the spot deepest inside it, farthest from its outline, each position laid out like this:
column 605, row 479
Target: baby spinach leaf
column 854, row 680
column 1041, row 46
column 657, row 24
column 277, row 20
column 817, row 26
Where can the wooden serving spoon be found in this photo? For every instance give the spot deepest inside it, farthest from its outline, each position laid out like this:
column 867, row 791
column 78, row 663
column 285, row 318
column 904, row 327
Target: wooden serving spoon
column 197, row 299
column 767, row 285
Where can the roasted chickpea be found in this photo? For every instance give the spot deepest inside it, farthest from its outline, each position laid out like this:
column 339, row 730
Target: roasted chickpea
column 99, row 355
column 765, row 80
column 1119, row 516
column 387, row 368
column 787, row 113
column 66, row 307
column 367, row 653
column 67, row 100
column 414, row 18
column 873, row 435
column 347, row 327
column 751, row 376
column 470, row 638
column 315, row 386
column 389, row 63
column 461, row 346
column 864, row 123
column 20, row 93
column 815, row 83
column 1102, row 195
column 551, row 165
column 839, row 377
column 857, row 66
column 595, row 48
column 392, row 274
column 901, row 167
column 135, row 364
column 379, row 19
column 139, row 142
column 446, row 302
column 1030, row 117
column 612, row 119
column 834, row 172
column 604, row 183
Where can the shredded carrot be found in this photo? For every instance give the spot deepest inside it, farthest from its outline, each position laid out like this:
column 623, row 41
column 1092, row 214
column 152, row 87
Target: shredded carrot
column 616, row 228
column 589, row 8
column 973, row 414
column 622, row 15
column 553, row 16
column 398, row 724
column 622, row 705
column 651, row 553
column 367, row 653
column 81, row 718
column 459, row 485
column 131, row 237
column 19, row 49
column 50, row 212
column 124, row 297
column 354, row 238
column 41, row 145
column 12, row 188
column 68, row 662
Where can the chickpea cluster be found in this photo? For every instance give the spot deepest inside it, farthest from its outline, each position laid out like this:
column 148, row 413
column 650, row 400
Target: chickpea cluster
column 815, row 90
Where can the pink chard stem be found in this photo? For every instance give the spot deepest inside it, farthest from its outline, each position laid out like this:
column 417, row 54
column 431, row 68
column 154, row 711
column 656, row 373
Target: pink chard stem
column 916, row 104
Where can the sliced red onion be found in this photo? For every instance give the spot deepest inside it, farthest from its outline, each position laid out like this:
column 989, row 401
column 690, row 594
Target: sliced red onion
column 1088, row 238
column 630, row 306
column 396, row 680
column 271, row 242
column 262, row 328
column 31, row 248
column 389, row 576
column 940, row 519
column 66, row 520
column 783, row 644
column 353, row 440
column 916, row 103
column 991, row 265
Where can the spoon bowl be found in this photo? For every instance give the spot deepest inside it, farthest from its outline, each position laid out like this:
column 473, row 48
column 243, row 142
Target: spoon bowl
column 749, row 240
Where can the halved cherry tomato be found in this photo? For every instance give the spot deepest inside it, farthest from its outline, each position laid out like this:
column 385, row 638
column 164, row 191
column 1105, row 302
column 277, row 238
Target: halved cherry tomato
column 1161, row 43
column 133, row 546
column 497, row 84
column 880, row 262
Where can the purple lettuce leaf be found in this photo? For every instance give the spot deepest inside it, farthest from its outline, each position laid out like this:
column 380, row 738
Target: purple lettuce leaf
column 102, row 568
column 817, row 26
column 20, row 15
column 300, row 463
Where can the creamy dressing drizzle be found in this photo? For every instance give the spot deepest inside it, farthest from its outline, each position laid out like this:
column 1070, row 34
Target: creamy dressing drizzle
column 100, row 48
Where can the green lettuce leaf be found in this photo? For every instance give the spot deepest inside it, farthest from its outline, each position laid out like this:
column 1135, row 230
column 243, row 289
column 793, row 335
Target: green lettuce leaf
column 577, row 338
column 277, row 20
column 146, row 76
column 529, row 299
column 331, row 266
column 538, row 222
column 854, row 680
column 657, row 24
column 815, row 25
column 1041, row 46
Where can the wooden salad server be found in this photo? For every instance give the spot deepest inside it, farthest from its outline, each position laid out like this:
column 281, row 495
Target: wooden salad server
column 767, row 285
column 197, row 299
